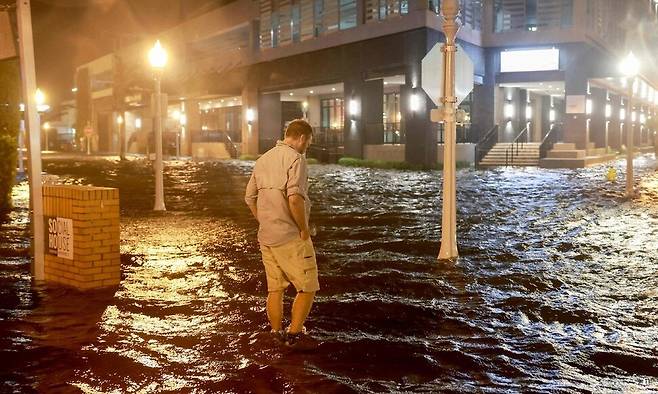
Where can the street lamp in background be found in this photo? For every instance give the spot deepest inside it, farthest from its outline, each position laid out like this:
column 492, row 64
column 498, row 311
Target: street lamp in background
column 630, row 67
column 158, row 59
column 40, row 99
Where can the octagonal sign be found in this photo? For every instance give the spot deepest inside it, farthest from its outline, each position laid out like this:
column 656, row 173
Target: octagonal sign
column 432, row 70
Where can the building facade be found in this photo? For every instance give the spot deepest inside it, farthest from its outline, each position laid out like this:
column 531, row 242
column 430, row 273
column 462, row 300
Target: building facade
column 353, row 68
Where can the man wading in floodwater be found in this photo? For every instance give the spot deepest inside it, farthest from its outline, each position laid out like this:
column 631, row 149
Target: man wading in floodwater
column 277, row 194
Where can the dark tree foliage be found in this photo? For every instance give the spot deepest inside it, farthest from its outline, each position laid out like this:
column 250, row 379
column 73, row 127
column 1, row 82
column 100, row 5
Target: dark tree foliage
column 9, row 123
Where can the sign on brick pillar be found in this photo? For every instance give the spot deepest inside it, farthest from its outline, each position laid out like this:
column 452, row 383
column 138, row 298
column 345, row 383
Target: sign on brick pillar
column 82, row 228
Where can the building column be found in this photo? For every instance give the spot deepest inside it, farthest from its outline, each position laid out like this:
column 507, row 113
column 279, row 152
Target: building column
column 614, row 134
column 270, row 123
column 421, row 133
column 250, row 130
column 193, row 127
column 354, row 127
column 575, row 120
column 373, row 117
column 597, row 126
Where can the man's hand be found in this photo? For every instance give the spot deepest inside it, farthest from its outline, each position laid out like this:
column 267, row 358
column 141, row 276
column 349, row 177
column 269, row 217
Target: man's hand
column 296, row 204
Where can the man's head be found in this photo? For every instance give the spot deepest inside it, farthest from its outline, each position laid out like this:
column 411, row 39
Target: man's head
column 299, row 135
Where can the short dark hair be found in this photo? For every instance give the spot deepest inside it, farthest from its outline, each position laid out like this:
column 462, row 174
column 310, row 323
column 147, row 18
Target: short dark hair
column 297, row 128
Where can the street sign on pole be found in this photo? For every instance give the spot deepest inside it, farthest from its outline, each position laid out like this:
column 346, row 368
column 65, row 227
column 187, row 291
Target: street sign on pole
column 432, row 70
column 431, row 74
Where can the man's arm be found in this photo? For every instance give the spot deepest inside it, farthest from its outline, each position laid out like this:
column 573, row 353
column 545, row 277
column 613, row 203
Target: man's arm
column 251, row 196
column 296, row 204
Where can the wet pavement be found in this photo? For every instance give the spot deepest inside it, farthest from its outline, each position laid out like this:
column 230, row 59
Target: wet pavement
column 556, row 289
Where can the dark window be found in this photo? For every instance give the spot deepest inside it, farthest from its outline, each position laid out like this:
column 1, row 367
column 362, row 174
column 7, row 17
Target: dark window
column 347, row 14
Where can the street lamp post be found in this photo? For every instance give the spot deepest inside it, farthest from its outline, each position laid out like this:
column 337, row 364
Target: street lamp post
column 630, row 67
column 449, row 10
column 158, row 60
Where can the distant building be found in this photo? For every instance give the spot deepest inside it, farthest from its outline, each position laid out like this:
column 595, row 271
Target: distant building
column 238, row 73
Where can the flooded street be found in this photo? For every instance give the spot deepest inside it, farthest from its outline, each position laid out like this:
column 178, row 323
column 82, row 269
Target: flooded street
column 556, row 289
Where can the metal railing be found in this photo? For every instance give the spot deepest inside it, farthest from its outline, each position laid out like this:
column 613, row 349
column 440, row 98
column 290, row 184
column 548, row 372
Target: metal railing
column 485, row 144
column 513, row 149
column 328, row 136
column 393, row 133
column 549, row 140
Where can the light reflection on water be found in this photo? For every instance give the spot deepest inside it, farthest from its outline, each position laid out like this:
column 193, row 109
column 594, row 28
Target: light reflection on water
column 555, row 290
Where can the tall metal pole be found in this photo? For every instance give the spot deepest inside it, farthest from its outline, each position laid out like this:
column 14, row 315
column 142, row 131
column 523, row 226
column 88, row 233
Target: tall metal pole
column 158, row 165
column 26, row 52
column 449, row 10
column 45, row 133
column 21, row 131
column 629, row 142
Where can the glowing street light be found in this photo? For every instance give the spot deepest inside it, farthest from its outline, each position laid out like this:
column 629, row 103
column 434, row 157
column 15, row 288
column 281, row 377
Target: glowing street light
column 158, row 56
column 630, row 67
column 158, row 59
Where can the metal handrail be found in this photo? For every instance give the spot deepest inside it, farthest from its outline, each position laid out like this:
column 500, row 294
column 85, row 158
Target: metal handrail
column 509, row 158
column 485, row 144
column 548, row 141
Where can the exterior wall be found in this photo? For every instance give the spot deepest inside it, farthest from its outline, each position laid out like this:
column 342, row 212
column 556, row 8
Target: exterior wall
column 383, row 152
column 464, row 153
column 209, row 150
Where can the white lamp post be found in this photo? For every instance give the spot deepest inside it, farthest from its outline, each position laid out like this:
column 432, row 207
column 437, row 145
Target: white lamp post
column 158, row 60
column 630, row 67
column 449, row 10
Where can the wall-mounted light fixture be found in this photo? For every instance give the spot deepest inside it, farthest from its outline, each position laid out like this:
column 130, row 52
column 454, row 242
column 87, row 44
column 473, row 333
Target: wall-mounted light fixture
column 508, row 111
column 250, row 115
column 183, row 119
column 588, row 106
column 414, row 102
column 622, row 114
column 138, row 123
column 528, row 112
column 633, row 116
column 119, row 119
column 353, row 107
column 551, row 115
column 643, row 118
column 608, row 111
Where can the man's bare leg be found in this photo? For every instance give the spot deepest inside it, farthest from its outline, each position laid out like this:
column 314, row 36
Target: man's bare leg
column 275, row 309
column 300, row 310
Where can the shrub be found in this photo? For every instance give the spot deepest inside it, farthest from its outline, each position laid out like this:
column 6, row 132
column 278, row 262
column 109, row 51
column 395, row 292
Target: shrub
column 390, row 165
column 9, row 118
column 311, row 160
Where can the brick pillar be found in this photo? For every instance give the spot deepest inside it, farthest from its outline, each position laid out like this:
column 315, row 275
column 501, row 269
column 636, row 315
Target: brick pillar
column 82, row 236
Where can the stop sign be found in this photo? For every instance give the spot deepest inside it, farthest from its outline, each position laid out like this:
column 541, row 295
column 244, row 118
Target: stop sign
column 432, row 70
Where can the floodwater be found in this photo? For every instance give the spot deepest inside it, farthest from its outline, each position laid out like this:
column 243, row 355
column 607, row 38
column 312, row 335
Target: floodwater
column 556, row 289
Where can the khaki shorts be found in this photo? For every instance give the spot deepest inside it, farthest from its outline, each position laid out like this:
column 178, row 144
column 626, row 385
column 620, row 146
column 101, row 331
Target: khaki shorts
column 293, row 262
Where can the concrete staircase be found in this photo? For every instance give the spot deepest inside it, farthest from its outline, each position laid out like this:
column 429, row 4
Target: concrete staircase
column 528, row 155
column 565, row 155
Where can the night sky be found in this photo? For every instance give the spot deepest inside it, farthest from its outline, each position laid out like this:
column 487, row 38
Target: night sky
column 68, row 33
